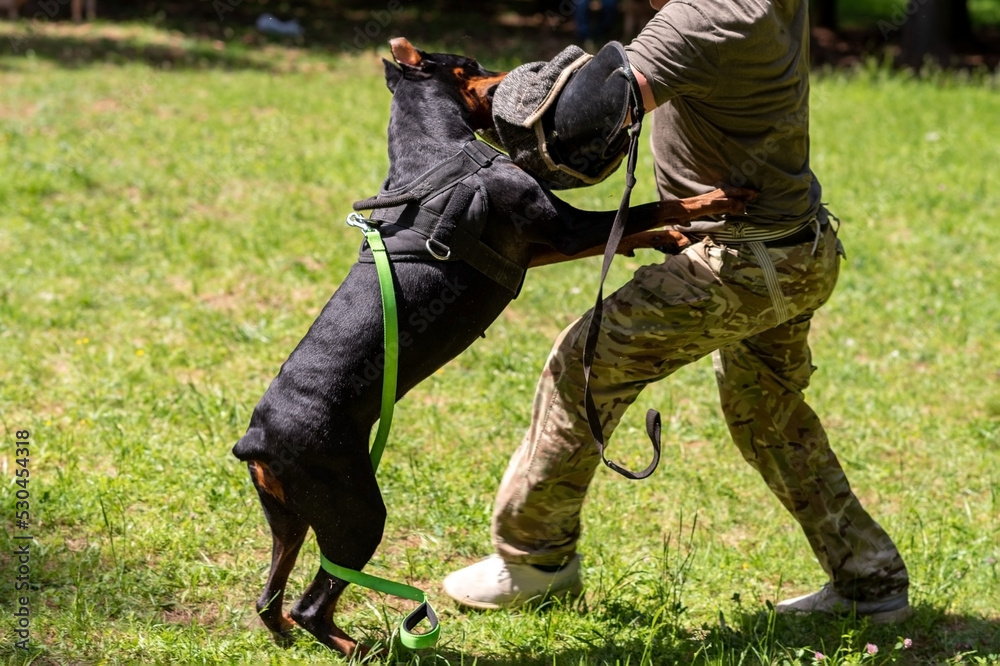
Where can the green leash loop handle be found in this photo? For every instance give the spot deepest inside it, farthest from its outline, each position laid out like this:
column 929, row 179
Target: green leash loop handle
column 423, row 612
column 391, row 345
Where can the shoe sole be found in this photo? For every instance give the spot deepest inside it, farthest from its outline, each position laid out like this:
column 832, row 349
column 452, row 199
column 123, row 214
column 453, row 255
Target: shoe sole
column 891, row 617
column 571, row 592
column 882, row 617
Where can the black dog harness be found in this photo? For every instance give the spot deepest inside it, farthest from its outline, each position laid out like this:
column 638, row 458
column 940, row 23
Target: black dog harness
column 440, row 216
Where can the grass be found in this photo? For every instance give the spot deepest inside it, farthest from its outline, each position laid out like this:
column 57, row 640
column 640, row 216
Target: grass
column 867, row 13
column 167, row 238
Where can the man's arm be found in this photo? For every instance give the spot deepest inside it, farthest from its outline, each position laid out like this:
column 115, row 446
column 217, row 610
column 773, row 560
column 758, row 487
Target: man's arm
column 648, row 101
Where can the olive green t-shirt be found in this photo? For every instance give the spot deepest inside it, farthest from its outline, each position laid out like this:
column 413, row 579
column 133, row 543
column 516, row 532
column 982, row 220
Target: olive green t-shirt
column 731, row 78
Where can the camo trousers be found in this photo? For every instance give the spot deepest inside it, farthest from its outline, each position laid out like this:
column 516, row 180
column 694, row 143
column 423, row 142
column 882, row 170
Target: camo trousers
column 751, row 306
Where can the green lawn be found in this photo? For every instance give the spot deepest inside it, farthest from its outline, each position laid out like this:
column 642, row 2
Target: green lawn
column 167, row 238
column 866, row 13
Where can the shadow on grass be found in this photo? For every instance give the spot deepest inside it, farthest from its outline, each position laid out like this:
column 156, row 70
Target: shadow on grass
column 498, row 38
column 935, row 637
column 221, row 34
column 78, row 49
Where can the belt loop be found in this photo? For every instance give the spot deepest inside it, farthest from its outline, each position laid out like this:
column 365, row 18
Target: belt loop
column 836, row 230
column 819, row 230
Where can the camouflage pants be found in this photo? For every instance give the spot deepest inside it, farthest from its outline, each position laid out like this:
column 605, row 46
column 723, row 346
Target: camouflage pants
column 751, row 305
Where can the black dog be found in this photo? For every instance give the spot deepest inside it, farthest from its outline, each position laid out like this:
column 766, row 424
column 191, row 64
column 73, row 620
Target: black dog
column 307, row 444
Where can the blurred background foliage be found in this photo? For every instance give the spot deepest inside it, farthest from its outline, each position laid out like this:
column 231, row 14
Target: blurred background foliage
column 955, row 33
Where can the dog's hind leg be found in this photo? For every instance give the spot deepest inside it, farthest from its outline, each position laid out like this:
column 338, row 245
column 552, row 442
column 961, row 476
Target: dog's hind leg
column 314, row 613
column 288, row 531
column 343, row 505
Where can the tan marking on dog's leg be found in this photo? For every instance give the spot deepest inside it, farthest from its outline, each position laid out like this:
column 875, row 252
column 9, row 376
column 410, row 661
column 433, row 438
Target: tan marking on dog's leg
column 338, row 637
column 267, row 481
column 287, row 623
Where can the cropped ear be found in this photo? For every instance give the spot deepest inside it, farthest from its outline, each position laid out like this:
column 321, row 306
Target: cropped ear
column 410, row 59
column 405, row 53
column 393, row 75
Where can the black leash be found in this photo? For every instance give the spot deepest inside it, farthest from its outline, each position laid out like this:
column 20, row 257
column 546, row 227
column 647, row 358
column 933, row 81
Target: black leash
column 597, row 313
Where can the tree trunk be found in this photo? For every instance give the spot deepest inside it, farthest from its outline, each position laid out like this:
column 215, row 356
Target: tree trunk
column 961, row 23
column 824, row 14
column 927, row 31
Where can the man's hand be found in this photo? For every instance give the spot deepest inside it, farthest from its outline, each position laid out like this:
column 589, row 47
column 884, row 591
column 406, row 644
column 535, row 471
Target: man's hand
column 664, row 240
column 720, row 201
column 667, row 241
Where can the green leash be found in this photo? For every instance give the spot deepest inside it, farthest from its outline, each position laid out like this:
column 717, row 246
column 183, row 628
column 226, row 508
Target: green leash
column 390, row 335
column 425, row 610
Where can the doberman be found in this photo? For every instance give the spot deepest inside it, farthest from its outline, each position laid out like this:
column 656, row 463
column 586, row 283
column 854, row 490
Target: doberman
column 306, row 447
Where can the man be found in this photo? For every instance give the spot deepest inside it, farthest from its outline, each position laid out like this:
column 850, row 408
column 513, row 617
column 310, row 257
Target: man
column 729, row 82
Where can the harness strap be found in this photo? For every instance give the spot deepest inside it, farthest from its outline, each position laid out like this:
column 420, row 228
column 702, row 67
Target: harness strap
column 464, row 242
column 438, row 178
column 447, row 239
column 481, row 153
column 391, row 340
column 488, row 261
column 384, row 201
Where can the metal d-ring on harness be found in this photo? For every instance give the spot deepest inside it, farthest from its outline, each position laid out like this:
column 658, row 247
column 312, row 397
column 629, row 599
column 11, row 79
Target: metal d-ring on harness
column 387, row 289
column 438, row 250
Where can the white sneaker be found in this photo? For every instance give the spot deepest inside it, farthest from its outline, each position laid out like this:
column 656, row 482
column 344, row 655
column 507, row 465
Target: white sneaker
column 493, row 583
column 884, row 611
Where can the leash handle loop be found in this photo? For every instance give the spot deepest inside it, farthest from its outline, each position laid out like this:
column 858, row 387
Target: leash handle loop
column 424, row 611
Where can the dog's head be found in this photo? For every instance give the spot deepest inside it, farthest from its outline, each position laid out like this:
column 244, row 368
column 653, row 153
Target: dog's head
column 462, row 78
